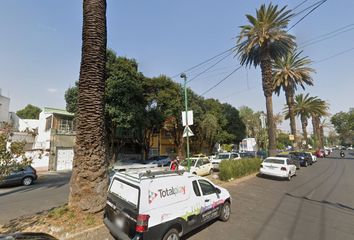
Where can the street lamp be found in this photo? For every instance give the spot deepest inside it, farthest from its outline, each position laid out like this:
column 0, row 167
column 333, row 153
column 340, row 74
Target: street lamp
column 184, row 76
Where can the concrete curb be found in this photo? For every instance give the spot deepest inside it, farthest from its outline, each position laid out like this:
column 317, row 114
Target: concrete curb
column 82, row 235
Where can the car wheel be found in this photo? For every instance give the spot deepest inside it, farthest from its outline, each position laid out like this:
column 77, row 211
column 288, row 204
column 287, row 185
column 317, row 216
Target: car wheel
column 27, row 181
column 172, row 234
column 211, row 171
column 194, row 173
column 306, row 164
column 289, row 176
column 225, row 212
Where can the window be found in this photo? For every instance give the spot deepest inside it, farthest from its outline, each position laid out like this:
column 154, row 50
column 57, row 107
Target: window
column 207, row 188
column 199, row 163
column 196, row 188
column 206, row 161
column 66, row 125
column 48, row 123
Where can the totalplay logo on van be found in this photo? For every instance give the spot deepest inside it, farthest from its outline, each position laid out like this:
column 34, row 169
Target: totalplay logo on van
column 166, row 192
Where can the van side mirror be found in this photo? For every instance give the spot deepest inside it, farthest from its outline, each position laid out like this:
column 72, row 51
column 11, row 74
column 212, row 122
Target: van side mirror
column 217, row 190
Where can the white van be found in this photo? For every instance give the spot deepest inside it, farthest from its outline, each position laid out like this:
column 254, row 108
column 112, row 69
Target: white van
column 143, row 205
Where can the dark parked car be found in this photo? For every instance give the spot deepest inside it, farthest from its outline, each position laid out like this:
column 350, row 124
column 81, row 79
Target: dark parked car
column 28, row 236
column 295, row 159
column 305, row 158
column 24, row 175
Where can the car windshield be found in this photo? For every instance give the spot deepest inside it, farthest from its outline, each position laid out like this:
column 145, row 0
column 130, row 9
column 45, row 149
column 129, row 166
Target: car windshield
column 272, row 160
column 185, row 162
column 223, row 156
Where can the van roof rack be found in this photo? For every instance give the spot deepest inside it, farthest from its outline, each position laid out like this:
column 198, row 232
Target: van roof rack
column 152, row 174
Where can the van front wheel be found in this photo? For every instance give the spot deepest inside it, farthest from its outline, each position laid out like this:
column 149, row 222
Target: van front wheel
column 225, row 212
column 172, row 234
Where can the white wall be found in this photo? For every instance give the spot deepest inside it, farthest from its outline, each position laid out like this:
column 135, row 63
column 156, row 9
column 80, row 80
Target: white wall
column 42, row 140
column 30, row 124
column 4, row 109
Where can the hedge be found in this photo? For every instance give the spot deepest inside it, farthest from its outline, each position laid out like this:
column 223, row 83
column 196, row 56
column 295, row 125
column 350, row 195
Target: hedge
column 238, row 168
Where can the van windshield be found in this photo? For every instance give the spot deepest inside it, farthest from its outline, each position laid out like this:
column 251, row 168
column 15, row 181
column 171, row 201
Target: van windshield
column 126, row 192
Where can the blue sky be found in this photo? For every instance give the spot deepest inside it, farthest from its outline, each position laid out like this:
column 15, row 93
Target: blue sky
column 40, row 47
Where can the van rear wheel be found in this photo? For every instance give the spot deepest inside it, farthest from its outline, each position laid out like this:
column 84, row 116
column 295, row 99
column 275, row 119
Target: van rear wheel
column 172, row 234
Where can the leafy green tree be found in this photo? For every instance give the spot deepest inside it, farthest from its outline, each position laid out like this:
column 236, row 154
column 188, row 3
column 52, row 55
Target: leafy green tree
column 260, row 42
column 344, row 125
column 289, row 72
column 12, row 158
column 29, row 112
column 283, row 140
column 89, row 181
column 70, row 96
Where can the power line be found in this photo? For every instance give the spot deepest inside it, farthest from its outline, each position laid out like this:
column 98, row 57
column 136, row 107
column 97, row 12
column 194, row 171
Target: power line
column 299, row 5
column 313, row 9
column 208, row 60
column 309, row 7
column 221, row 81
column 334, row 55
column 326, row 38
column 230, row 49
column 329, row 33
column 228, row 55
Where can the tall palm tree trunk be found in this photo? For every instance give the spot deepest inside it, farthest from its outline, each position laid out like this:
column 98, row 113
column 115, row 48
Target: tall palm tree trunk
column 315, row 131
column 289, row 94
column 319, row 132
column 266, row 66
column 89, row 180
column 304, row 129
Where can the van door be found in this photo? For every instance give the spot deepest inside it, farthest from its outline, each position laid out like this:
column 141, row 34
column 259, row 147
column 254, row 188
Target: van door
column 211, row 201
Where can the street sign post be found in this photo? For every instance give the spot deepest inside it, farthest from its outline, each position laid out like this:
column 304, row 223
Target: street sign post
column 187, row 131
column 189, row 117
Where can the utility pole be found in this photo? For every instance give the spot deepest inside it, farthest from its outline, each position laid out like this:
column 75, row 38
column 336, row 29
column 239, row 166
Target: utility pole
column 184, row 76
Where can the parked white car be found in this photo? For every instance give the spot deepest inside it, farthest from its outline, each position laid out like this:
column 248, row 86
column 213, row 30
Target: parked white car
column 199, row 165
column 278, row 167
column 162, row 205
column 224, row 156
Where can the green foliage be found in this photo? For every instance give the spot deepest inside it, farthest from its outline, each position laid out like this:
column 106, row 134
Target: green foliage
column 283, row 140
column 70, row 96
column 265, row 34
column 8, row 162
column 29, row 112
column 344, row 125
column 238, row 168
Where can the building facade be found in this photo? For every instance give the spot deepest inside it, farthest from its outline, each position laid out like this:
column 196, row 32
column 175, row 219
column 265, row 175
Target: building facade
column 56, row 138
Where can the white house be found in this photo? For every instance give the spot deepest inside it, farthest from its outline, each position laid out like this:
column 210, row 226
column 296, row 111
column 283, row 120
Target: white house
column 56, row 138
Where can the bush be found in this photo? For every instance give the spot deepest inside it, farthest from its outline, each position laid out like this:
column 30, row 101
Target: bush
column 238, row 168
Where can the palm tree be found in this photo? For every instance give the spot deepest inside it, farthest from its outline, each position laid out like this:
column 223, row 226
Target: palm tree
column 289, row 72
column 319, row 110
column 304, row 107
column 89, row 180
column 260, row 42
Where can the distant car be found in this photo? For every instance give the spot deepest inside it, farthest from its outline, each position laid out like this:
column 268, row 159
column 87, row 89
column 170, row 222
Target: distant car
column 314, row 158
column 224, row 156
column 319, row 153
column 278, row 167
column 295, row 159
column 22, row 176
column 305, row 159
column 161, row 161
column 350, row 148
column 199, row 166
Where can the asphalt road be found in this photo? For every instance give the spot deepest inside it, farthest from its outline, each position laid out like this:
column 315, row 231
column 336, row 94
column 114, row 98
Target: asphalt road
column 48, row 191
column 317, row 204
